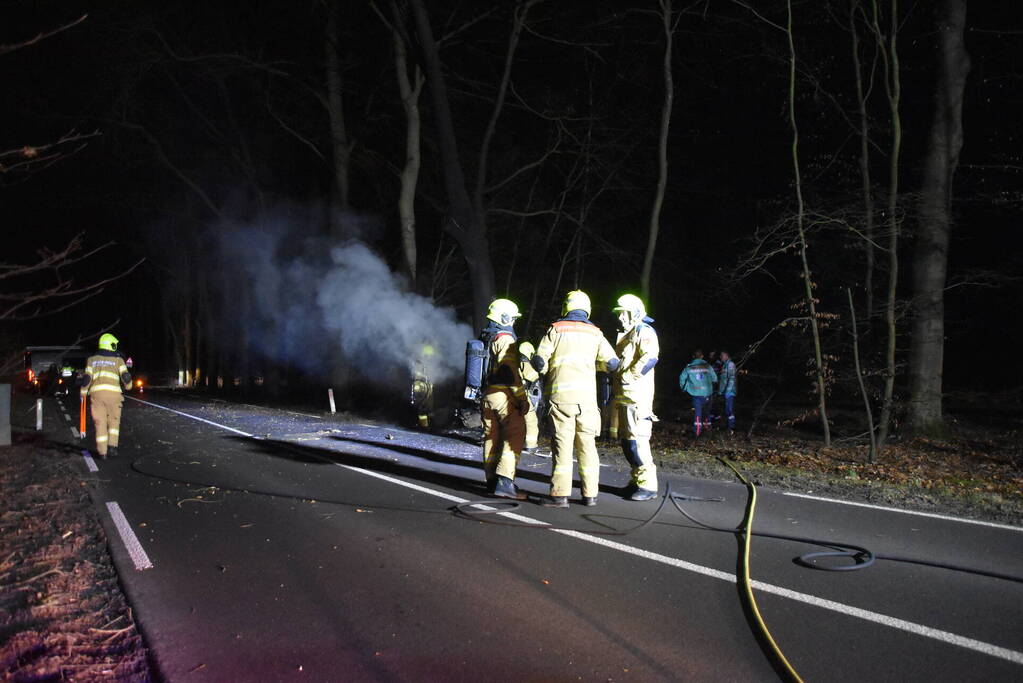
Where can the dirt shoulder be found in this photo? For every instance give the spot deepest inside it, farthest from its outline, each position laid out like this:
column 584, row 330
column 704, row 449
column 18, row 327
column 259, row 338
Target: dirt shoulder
column 62, row 613
column 969, row 474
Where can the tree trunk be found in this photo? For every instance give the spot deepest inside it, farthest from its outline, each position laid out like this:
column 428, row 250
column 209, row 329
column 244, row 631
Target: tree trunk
column 930, row 263
column 893, row 88
column 868, row 197
column 465, row 225
column 667, row 18
column 335, row 109
column 822, row 404
column 409, row 89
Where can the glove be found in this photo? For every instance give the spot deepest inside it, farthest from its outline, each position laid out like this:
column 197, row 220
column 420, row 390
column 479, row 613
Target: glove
column 523, row 405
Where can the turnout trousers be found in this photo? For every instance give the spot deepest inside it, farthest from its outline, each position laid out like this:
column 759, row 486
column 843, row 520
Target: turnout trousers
column 504, row 432
column 575, row 429
column 633, row 430
column 106, row 416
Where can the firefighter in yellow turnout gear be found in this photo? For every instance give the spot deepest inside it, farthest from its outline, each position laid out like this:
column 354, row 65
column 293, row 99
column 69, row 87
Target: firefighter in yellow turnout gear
column 504, row 402
column 530, row 378
column 638, row 348
column 569, row 355
column 105, row 374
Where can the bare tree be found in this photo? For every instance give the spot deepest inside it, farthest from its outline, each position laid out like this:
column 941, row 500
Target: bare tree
column 930, row 264
column 341, row 147
column 811, row 301
column 893, row 90
column 466, row 220
column 668, row 22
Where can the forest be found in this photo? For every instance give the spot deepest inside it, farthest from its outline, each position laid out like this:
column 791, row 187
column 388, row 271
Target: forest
column 273, row 198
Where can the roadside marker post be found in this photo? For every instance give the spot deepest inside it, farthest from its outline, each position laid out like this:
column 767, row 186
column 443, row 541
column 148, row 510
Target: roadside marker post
column 81, row 417
column 39, row 414
column 330, row 395
column 5, row 414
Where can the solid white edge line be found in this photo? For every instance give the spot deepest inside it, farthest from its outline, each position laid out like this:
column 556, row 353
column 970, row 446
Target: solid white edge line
column 74, row 432
column 178, row 412
column 89, row 462
column 813, row 600
column 934, row 515
column 128, row 537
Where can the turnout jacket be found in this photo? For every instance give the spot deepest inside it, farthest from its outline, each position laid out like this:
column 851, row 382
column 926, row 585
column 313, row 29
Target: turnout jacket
column 105, row 372
column 504, row 362
column 634, row 382
column 569, row 355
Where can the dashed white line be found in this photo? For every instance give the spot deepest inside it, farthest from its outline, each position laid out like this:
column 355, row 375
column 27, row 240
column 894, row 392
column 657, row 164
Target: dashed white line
column 128, row 537
column 849, row 610
column 934, row 515
column 89, row 462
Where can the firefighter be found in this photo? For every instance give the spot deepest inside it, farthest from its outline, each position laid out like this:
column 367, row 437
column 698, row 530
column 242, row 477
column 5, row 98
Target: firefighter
column 105, row 375
column 634, row 394
column 534, row 392
column 728, row 387
column 504, row 401
column 569, row 355
column 422, row 386
column 697, row 380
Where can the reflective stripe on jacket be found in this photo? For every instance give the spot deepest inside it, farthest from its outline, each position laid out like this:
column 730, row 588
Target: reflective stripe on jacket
column 698, row 378
column 636, row 348
column 571, row 351
column 104, row 371
column 729, row 385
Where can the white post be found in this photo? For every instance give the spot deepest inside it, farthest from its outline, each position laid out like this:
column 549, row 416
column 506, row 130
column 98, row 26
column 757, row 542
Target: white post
column 330, row 395
column 39, row 414
column 5, row 414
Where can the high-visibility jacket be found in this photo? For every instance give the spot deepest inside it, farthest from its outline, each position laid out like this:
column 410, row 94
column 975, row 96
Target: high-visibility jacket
column 698, row 378
column 106, row 372
column 571, row 352
column 729, row 383
column 637, row 348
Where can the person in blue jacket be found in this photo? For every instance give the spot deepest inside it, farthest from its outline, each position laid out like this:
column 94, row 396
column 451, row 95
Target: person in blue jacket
column 697, row 380
column 728, row 387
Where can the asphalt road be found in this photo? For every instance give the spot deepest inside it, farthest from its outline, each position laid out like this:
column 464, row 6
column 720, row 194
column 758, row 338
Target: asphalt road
column 275, row 546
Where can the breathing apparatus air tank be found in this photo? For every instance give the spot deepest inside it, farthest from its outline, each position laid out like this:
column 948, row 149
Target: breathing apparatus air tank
column 475, row 368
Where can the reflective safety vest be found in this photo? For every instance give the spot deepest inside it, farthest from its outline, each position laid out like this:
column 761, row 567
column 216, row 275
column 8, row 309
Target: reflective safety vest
column 106, row 371
column 571, row 351
column 636, row 348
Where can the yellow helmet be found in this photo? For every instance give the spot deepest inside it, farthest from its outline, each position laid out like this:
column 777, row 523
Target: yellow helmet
column 503, row 311
column 108, row 342
column 632, row 304
column 526, row 350
column 576, row 300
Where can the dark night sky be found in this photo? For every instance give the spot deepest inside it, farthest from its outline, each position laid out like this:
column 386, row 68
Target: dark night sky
column 187, row 73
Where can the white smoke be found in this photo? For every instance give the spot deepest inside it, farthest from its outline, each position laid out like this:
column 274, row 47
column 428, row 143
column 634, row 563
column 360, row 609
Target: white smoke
column 382, row 327
column 308, row 298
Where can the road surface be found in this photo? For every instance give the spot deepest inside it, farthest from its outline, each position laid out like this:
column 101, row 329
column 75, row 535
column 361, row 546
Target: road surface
column 257, row 544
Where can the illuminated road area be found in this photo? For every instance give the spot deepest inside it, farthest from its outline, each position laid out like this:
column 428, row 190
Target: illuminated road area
column 263, row 545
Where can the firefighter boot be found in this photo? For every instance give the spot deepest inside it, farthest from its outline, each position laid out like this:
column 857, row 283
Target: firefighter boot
column 643, row 494
column 589, row 501
column 112, row 452
column 505, row 488
column 556, row 502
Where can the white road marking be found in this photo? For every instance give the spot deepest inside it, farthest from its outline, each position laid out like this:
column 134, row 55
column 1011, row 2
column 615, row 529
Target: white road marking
column 128, row 537
column 74, row 432
column 849, row 610
column 177, row 412
column 89, row 462
column 934, row 515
